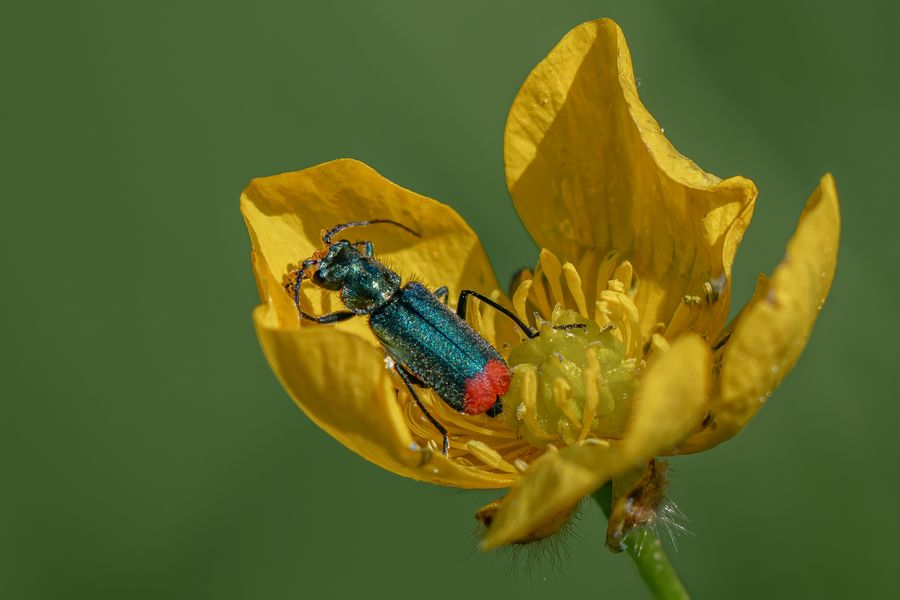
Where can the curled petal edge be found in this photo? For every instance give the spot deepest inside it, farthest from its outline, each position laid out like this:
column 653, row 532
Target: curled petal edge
column 340, row 381
column 590, row 170
column 772, row 330
column 336, row 374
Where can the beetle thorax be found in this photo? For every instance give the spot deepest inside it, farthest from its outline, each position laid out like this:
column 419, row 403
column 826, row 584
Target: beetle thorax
column 364, row 283
column 368, row 284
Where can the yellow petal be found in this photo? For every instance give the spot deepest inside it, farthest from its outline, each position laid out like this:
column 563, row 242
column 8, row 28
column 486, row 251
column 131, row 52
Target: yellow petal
column 589, row 169
column 340, row 381
column 552, row 484
column 772, row 330
column 485, row 515
column 336, row 373
column 672, row 399
column 286, row 214
column 341, row 384
column 670, row 406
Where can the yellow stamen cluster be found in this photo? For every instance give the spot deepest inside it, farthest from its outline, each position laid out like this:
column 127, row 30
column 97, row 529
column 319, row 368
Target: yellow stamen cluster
column 569, row 385
column 575, row 381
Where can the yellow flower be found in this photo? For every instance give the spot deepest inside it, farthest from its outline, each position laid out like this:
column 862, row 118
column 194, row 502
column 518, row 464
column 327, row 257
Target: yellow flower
column 638, row 247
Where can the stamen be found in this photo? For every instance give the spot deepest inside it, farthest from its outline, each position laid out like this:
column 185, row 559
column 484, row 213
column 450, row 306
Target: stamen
column 604, row 273
column 458, row 423
column 553, row 271
column 614, row 285
column 488, row 317
column 591, row 396
column 573, row 281
column 683, row 317
column 539, row 296
column 659, row 343
column 562, row 396
column 519, row 299
column 657, row 329
column 623, row 273
column 529, row 397
column 489, row 456
column 592, row 441
column 620, row 310
column 586, row 267
column 522, row 450
column 572, row 384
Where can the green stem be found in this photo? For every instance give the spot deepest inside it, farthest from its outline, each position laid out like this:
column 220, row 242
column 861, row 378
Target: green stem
column 648, row 554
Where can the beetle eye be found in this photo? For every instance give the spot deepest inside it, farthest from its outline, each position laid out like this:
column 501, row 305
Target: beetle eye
column 317, row 277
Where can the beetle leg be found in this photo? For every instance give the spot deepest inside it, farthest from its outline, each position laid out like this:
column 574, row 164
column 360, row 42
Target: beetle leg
column 530, row 332
column 405, row 375
column 461, row 311
column 413, row 379
column 299, row 276
column 332, row 317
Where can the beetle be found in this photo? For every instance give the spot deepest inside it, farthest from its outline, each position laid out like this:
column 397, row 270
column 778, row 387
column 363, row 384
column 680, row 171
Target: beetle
column 431, row 346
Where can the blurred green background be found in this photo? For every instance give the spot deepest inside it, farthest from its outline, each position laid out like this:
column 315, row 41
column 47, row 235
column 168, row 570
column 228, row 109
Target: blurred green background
column 148, row 451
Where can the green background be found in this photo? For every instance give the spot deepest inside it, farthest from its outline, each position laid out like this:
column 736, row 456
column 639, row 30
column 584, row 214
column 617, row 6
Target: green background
column 147, row 451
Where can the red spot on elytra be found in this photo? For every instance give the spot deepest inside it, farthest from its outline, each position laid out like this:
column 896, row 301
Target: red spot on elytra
column 482, row 389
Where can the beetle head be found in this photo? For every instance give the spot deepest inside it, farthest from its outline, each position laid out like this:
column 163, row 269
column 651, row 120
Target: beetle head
column 335, row 264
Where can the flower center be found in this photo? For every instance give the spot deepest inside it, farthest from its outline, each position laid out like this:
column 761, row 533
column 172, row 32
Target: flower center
column 573, row 383
column 569, row 385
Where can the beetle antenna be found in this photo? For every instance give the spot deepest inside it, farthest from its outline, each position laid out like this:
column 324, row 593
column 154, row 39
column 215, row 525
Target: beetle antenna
column 326, row 238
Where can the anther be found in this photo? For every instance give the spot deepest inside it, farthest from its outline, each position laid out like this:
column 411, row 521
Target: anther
column 659, row 343
column 573, row 281
column 553, row 270
column 593, row 441
column 489, row 456
column 519, row 297
column 562, row 397
column 623, row 274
